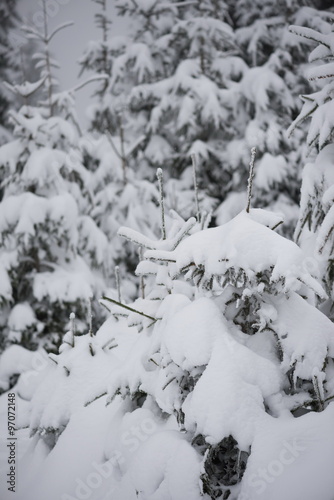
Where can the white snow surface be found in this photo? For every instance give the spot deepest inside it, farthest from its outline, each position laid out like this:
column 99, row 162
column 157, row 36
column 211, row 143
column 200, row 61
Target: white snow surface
column 292, row 459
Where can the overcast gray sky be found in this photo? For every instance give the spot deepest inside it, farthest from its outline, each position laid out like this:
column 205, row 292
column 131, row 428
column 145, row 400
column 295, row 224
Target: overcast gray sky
column 70, row 43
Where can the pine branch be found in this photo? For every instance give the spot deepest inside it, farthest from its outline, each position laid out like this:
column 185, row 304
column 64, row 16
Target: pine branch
column 169, row 382
column 110, row 139
column 51, row 356
column 94, row 399
column 194, row 164
column 136, row 237
column 141, row 279
column 123, row 156
column 91, row 349
column 130, row 308
column 106, row 344
column 23, row 90
column 317, row 391
column 59, row 28
column 135, row 145
column 183, row 232
column 328, row 235
column 92, row 79
column 309, row 34
column 47, row 59
column 90, row 317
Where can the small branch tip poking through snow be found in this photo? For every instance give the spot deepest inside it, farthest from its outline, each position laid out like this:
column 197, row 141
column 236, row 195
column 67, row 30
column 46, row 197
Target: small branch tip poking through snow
column 250, row 178
column 118, row 283
column 90, row 316
column 162, row 207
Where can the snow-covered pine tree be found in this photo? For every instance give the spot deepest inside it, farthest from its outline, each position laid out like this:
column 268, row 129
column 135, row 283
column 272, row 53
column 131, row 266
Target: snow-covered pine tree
column 215, row 363
column 315, row 227
column 119, row 198
column 269, row 102
column 53, row 256
column 97, row 58
column 9, row 19
column 260, row 304
column 123, row 195
column 224, row 79
column 151, row 55
column 172, row 85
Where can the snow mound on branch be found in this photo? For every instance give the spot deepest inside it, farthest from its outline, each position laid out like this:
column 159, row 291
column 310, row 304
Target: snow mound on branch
column 306, row 338
column 43, row 165
column 271, row 169
column 80, row 374
column 243, row 243
column 166, row 466
column 16, row 360
column 65, row 284
column 10, row 154
column 190, row 334
column 27, row 210
column 229, row 396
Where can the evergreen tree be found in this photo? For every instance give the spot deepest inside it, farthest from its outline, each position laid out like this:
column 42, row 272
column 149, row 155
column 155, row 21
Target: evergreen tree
column 237, row 349
column 315, row 226
column 112, row 151
column 221, row 75
column 9, row 19
column 97, row 59
column 270, row 93
column 53, row 256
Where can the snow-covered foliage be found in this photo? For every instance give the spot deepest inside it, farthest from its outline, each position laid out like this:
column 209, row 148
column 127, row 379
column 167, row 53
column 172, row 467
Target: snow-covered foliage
column 213, row 376
column 318, row 105
column 316, row 223
column 8, row 65
column 223, row 345
column 53, row 256
column 186, row 69
column 269, row 100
